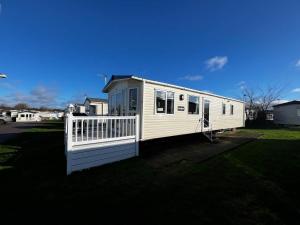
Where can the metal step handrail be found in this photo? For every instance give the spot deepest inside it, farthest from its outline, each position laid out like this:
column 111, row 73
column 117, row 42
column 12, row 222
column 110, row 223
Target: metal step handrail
column 209, row 131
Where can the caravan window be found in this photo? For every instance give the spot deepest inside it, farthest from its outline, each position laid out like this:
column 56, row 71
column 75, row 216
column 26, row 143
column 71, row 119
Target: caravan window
column 231, row 109
column 223, row 108
column 170, row 103
column 160, row 101
column 113, row 104
column 118, row 104
column 133, row 99
column 124, row 100
column 164, row 102
column 193, row 105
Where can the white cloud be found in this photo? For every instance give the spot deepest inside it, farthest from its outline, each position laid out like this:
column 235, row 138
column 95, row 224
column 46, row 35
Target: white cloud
column 241, row 85
column 296, row 90
column 38, row 96
column 77, row 98
column 279, row 101
column 216, row 63
column 298, row 63
column 191, row 77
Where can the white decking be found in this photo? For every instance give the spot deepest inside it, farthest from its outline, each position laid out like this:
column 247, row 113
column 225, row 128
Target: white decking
column 97, row 140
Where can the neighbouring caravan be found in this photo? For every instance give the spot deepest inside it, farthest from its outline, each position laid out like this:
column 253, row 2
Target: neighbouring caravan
column 287, row 113
column 48, row 115
column 95, row 106
column 168, row 110
column 28, row 117
column 79, row 108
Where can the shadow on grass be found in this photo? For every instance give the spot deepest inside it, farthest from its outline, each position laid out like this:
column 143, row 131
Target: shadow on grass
column 269, row 125
column 157, row 146
column 255, row 184
column 43, row 125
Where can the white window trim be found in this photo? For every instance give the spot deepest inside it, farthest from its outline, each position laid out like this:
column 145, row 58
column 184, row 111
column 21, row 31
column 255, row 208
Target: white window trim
column 193, row 114
column 166, row 103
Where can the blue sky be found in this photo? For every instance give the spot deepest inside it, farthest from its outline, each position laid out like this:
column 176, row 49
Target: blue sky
column 53, row 50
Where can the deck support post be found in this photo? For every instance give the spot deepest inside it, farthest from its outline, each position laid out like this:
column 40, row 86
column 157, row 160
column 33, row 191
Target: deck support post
column 137, row 134
column 69, row 136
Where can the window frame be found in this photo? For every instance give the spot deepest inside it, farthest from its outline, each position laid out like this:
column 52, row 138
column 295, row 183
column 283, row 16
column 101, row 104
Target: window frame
column 188, row 100
column 166, row 102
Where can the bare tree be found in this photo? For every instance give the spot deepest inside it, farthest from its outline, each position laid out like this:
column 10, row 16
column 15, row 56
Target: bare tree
column 250, row 97
column 5, row 107
column 44, row 108
column 21, row 106
column 259, row 101
column 268, row 96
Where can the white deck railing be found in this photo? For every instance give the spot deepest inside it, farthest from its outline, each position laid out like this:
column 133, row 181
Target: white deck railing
column 81, row 130
column 96, row 140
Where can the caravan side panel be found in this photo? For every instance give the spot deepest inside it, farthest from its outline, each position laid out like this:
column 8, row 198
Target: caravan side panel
column 164, row 125
column 287, row 114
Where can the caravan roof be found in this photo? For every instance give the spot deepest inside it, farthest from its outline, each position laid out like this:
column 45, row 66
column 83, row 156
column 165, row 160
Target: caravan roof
column 115, row 78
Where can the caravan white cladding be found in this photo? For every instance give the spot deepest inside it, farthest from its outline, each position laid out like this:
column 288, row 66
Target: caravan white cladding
column 97, row 140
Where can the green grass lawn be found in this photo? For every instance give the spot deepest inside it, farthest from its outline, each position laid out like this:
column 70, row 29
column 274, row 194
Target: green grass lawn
column 257, row 183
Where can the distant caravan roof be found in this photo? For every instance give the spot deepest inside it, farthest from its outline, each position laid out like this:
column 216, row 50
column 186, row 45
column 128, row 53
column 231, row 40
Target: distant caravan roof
column 295, row 102
column 125, row 77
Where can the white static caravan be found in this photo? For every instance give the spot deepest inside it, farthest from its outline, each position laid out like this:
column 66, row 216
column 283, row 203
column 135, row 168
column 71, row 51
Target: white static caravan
column 95, row 106
column 28, row 117
column 141, row 110
column 168, row 110
column 80, row 108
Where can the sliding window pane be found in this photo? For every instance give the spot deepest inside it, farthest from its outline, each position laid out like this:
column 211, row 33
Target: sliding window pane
column 193, row 105
column 170, row 103
column 160, row 102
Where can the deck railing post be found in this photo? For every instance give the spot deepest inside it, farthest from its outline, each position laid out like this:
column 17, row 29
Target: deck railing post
column 137, row 134
column 66, row 135
column 69, row 142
